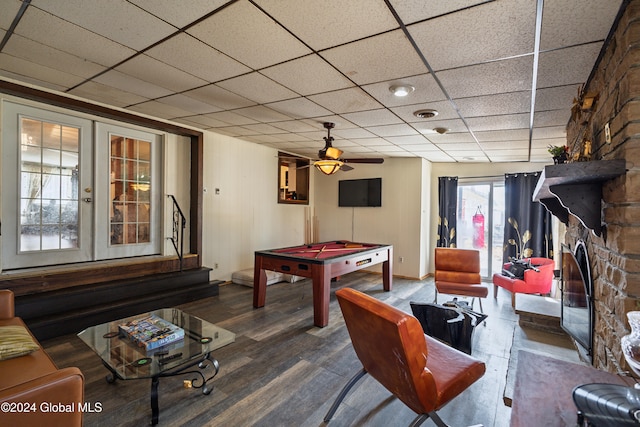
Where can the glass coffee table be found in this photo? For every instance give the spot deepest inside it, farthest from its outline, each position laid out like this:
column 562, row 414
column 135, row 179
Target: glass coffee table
column 126, row 360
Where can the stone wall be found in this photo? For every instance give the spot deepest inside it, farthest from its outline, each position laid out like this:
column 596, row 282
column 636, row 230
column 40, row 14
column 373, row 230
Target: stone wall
column 614, row 256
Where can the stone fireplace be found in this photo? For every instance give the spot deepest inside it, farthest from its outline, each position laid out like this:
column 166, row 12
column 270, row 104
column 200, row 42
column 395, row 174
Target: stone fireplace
column 611, row 130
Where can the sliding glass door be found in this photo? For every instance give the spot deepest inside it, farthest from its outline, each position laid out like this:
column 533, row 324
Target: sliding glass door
column 480, row 222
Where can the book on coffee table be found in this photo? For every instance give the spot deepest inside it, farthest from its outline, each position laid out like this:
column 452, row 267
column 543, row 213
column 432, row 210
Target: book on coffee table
column 151, row 332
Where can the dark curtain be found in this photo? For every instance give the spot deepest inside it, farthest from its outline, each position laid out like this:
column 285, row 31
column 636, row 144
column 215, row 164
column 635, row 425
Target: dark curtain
column 447, row 204
column 528, row 231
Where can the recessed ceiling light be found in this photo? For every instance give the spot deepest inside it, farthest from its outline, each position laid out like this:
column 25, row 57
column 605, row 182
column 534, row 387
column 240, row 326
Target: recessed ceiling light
column 401, row 90
column 468, row 158
column 441, row 130
column 425, row 114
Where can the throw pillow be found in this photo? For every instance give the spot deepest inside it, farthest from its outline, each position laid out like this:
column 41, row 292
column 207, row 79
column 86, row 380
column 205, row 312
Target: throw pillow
column 15, row 341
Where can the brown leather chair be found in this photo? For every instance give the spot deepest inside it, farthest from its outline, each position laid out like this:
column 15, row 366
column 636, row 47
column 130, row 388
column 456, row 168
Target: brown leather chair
column 458, row 273
column 422, row 372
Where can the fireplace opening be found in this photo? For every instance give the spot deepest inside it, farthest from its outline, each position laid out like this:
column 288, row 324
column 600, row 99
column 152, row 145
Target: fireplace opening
column 576, row 314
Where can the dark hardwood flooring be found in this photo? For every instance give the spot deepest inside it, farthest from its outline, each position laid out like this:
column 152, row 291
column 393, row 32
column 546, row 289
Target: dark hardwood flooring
column 284, row 371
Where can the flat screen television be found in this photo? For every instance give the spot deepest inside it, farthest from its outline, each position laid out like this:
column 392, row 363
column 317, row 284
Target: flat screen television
column 360, row 192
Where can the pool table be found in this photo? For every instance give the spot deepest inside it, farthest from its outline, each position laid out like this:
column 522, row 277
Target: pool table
column 321, row 262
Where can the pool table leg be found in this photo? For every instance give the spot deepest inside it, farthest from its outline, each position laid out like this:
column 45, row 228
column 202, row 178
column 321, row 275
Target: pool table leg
column 387, row 271
column 259, row 284
column 321, row 293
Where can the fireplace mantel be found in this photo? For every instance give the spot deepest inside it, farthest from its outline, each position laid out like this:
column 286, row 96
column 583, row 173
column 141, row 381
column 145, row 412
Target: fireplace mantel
column 576, row 188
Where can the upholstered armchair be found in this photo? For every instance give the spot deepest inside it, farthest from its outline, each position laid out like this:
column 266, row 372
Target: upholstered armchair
column 536, row 281
column 422, row 372
column 458, row 273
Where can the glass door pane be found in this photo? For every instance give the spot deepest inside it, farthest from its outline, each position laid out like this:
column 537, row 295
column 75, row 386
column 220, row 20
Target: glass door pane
column 472, row 221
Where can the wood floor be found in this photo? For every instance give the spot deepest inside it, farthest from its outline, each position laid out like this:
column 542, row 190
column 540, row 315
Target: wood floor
column 284, row 371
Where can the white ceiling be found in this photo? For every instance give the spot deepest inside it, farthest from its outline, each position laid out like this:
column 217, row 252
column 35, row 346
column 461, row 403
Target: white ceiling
column 272, row 71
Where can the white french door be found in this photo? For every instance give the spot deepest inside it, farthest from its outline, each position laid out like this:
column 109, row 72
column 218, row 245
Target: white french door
column 76, row 190
column 47, row 185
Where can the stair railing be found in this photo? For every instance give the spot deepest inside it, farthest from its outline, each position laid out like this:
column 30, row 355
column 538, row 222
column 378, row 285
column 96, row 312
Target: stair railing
column 179, row 222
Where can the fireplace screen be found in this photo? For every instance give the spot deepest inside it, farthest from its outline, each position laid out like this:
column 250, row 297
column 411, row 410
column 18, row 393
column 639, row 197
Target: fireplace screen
column 577, row 301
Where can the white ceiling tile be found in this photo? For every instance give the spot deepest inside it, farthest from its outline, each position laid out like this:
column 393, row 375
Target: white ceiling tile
column 246, row 34
column 413, row 140
column 507, row 121
column 508, row 156
column 550, row 132
column 372, row 118
column 215, row 95
column 297, row 126
column 495, row 30
column 437, row 156
column 555, row 98
column 308, row 75
column 491, row 105
column 153, row 71
column 427, row 127
column 567, row 66
column 191, row 55
column 38, row 53
column 38, row 73
column 331, row 22
column 135, row 28
column 426, row 90
column 189, row 104
column 159, row 109
column 414, row 10
column 351, row 133
column 510, row 75
column 450, row 138
column 346, row 100
column 179, row 16
column 502, row 135
column 258, row 88
column 262, row 128
column 107, row 94
column 373, row 142
column 52, row 31
column 574, row 22
column 467, row 147
column 401, row 129
column 421, row 148
column 552, row 118
column 232, row 118
column 299, row 108
column 9, row 10
column 444, row 109
column 383, row 57
column 261, row 113
column 206, row 121
column 131, row 84
column 511, row 145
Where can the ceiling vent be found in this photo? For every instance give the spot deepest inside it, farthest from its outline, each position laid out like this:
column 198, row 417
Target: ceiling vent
column 425, row 114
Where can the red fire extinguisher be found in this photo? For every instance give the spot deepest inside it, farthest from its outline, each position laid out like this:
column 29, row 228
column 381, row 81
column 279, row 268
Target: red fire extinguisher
column 478, row 229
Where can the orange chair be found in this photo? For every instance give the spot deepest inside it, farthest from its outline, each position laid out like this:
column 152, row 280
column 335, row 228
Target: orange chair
column 458, row 273
column 422, row 372
column 536, row 281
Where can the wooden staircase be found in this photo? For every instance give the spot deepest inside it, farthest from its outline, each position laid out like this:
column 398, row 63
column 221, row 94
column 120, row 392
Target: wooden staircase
column 68, row 310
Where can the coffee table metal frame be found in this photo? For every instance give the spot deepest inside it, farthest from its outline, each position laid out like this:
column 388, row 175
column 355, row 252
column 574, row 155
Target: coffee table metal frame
column 126, row 361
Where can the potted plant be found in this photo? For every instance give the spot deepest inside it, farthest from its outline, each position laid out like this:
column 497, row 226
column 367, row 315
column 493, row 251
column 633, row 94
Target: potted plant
column 560, row 154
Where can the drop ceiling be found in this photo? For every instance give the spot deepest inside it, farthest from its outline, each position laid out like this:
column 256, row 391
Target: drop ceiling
column 501, row 74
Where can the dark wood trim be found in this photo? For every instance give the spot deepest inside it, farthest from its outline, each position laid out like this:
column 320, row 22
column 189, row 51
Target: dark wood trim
column 45, row 280
column 196, row 205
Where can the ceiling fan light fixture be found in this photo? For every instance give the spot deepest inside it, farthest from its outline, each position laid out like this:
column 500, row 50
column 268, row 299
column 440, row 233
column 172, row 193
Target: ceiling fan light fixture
column 401, row 90
column 333, row 153
column 328, row 167
column 427, row 113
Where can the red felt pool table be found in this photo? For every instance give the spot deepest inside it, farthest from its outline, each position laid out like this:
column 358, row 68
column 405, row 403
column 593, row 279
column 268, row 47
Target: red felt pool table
column 321, row 262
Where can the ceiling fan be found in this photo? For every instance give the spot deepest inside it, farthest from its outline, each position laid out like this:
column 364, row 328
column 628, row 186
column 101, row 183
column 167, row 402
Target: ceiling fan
column 329, row 157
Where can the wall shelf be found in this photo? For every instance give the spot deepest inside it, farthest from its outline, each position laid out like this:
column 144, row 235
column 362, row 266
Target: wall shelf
column 576, row 189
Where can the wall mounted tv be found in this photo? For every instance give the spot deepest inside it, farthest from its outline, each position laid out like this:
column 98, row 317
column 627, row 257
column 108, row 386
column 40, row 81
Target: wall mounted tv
column 360, row 192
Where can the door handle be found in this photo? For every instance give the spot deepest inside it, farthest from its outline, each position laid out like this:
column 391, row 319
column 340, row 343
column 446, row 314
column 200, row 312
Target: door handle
column 87, row 200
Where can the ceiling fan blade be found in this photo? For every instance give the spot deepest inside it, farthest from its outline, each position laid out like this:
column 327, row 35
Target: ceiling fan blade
column 346, row 168
column 373, row 160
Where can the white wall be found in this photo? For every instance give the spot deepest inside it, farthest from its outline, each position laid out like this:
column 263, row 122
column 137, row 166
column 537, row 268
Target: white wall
column 245, row 216
column 398, row 222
